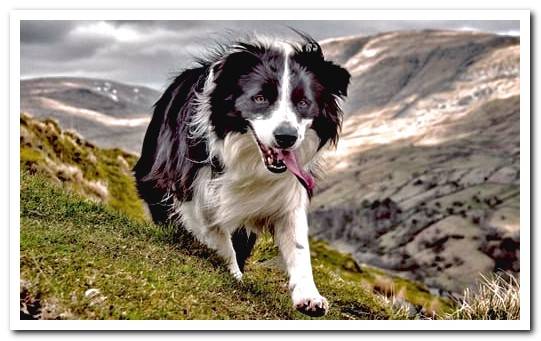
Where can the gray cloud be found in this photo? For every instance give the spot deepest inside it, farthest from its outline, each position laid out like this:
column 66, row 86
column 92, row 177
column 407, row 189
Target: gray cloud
column 151, row 52
column 43, row 32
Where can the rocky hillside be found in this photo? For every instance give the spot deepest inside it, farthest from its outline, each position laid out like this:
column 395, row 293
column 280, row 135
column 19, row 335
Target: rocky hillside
column 425, row 180
column 108, row 113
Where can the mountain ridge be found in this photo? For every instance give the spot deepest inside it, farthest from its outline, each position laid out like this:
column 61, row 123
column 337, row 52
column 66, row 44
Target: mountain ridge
column 100, row 110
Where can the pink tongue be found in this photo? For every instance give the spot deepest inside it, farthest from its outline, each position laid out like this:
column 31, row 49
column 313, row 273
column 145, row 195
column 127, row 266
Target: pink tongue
column 307, row 180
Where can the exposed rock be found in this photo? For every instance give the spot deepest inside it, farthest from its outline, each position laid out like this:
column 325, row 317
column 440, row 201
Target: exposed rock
column 451, row 244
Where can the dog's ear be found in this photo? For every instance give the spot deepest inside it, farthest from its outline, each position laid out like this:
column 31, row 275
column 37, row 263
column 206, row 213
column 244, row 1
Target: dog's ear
column 335, row 78
column 234, row 64
column 336, row 81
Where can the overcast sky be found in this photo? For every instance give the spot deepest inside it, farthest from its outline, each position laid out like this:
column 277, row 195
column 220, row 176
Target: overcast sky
column 151, row 52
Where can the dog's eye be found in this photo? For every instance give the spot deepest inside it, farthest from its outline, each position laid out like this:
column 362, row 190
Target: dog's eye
column 303, row 104
column 259, row 99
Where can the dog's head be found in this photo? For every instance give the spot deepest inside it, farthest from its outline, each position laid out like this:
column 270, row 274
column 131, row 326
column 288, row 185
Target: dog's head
column 277, row 92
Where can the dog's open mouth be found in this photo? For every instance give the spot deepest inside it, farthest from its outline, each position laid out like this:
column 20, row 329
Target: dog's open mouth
column 279, row 160
column 273, row 158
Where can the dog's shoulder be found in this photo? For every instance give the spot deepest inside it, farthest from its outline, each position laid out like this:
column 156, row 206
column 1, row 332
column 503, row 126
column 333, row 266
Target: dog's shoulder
column 170, row 157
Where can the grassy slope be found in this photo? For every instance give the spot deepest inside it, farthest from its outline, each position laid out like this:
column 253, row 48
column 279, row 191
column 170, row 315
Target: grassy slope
column 64, row 157
column 71, row 244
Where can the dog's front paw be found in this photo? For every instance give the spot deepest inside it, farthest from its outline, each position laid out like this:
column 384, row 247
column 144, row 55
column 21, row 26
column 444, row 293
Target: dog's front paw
column 235, row 271
column 312, row 305
column 237, row 275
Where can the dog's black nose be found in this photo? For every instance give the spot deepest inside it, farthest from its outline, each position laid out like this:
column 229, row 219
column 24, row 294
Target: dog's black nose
column 285, row 136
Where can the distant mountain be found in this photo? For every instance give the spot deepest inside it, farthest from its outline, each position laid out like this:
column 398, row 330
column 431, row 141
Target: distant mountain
column 425, row 179
column 110, row 114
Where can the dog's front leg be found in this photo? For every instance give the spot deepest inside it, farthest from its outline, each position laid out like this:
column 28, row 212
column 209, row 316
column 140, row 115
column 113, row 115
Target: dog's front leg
column 291, row 235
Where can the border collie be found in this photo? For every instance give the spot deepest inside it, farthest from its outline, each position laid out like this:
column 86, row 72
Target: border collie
column 232, row 149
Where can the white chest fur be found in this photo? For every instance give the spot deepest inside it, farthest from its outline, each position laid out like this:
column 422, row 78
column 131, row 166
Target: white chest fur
column 246, row 193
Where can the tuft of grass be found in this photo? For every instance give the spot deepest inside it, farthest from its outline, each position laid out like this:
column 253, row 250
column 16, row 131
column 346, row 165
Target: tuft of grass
column 497, row 297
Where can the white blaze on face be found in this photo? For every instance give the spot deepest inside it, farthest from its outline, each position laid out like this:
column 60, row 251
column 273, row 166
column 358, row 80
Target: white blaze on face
column 284, row 112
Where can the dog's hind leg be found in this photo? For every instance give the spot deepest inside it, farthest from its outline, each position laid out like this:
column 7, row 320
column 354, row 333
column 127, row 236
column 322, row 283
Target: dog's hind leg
column 243, row 243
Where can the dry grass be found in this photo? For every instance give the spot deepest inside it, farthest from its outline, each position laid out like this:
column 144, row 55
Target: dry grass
column 497, row 297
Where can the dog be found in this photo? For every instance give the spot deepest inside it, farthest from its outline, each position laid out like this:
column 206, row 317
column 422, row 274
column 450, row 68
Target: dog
column 233, row 149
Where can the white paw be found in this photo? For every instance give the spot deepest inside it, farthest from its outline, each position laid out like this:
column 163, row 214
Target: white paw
column 236, row 273
column 312, row 304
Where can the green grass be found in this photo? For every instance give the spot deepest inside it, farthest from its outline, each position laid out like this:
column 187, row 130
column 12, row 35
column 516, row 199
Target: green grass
column 64, row 157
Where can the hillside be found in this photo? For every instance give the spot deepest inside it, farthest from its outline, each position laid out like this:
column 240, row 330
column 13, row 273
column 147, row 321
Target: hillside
column 65, row 158
column 425, row 179
column 110, row 114
column 86, row 255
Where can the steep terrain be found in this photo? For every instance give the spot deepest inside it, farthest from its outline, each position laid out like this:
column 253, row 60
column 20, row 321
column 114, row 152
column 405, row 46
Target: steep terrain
column 425, row 179
column 108, row 113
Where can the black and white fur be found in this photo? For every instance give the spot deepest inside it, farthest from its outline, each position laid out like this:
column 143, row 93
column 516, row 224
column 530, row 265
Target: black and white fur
column 223, row 136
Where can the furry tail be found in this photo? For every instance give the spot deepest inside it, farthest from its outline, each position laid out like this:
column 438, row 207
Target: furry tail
column 243, row 243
